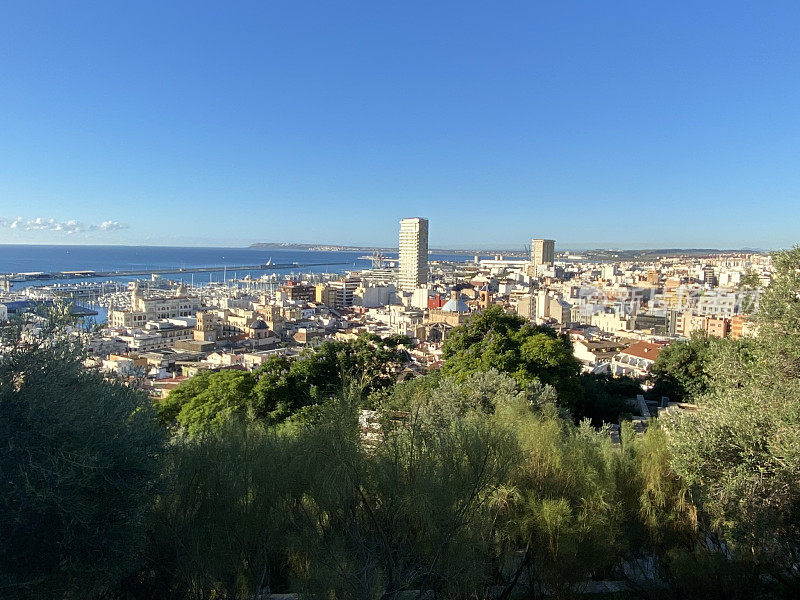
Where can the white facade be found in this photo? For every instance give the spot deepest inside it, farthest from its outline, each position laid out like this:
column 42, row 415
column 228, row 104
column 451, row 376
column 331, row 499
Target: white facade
column 542, row 305
column 608, row 272
column 120, row 364
column 145, row 342
column 611, row 322
column 630, row 366
column 144, row 309
column 413, row 249
column 344, row 290
column 419, row 298
column 499, row 264
column 373, row 296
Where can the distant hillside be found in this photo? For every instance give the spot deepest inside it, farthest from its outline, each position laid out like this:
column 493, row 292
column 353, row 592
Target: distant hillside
column 595, row 254
column 645, row 254
column 339, row 248
column 332, row 247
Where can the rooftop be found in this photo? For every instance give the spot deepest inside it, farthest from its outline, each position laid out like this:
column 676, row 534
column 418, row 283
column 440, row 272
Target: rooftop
column 643, row 350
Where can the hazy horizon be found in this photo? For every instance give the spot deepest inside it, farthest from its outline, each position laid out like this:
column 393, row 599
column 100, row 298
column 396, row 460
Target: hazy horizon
column 482, row 247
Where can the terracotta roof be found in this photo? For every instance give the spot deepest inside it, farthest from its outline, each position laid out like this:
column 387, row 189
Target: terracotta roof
column 643, row 350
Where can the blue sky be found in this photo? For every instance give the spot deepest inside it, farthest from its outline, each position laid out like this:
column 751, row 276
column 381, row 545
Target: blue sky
column 625, row 123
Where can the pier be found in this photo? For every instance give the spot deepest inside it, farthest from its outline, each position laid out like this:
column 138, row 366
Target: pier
column 89, row 274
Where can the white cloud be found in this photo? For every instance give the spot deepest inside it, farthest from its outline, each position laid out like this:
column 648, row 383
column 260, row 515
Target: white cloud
column 109, row 226
column 49, row 224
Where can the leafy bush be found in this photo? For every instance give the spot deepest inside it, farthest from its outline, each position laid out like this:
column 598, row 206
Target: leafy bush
column 78, row 470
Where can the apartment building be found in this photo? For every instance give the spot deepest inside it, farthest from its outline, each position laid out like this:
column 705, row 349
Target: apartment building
column 413, row 250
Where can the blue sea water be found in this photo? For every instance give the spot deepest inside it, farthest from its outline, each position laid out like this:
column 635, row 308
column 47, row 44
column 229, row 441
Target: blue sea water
column 53, row 259
column 23, row 258
column 48, row 259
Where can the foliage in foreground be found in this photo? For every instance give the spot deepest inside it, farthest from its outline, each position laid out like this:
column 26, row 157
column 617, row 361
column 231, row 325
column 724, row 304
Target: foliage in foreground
column 740, row 453
column 78, row 469
column 281, row 386
column 443, row 502
column 480, row 484
column 495, row 339
column 535, row 355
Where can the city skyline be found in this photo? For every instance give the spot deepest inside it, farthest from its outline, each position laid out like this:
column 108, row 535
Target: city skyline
column 617, row 126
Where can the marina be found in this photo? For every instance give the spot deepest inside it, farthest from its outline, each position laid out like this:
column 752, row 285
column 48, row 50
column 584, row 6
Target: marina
column 91, row 274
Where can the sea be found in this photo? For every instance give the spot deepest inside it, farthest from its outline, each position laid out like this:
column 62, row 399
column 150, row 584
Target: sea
column 16, row 258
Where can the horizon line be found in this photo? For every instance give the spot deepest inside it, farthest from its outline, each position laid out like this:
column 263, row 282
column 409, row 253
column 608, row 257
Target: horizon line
column 357, row 247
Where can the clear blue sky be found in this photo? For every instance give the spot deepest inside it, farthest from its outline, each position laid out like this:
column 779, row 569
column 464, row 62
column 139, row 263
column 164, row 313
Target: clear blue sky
column 623, row 123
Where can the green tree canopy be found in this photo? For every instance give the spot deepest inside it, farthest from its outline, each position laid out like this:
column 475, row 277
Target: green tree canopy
column 778, row 315
column 281, row 386
column 740, row 452
column 495, row 339
column 79, row 464
column 681, row 369
column 603, row 398
column 213, row 399
column 506, row 343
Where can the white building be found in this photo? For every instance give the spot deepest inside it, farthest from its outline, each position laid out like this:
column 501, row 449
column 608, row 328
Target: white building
column 140, row 341
column 611, row 322
column 542, row 305
column 122, row 365
column 635, row 360
column 608, row 272
column 343, row 292
column 372, row 296
column 413, row 249
column 419, row 298
column 498, row 264
column 154, row 308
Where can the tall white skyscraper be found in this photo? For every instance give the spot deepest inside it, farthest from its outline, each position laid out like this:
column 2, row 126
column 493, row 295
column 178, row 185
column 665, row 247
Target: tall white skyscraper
column 413, row 253
column 543, row 252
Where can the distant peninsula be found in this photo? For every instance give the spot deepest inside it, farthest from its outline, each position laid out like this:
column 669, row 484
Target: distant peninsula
column 597, row 254
column 339, row 248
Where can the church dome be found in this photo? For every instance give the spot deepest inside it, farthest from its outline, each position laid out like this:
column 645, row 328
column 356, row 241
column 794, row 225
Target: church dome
column 455, row 306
